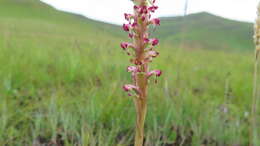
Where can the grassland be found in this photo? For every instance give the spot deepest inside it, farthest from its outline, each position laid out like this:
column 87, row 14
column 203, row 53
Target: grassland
column 61, row 78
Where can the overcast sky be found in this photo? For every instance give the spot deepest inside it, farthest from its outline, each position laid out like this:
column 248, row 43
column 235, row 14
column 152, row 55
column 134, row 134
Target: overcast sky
column 112, row 10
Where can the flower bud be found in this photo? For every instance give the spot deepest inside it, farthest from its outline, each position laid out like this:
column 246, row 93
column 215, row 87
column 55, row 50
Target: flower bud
column 146, row 40
column 157, row 73
column 132, row 69
column 130, row 35
column 129, row 87
column 155, row 21
column 128, row 16
column 153, row 53
column 153, row 8
column 124, row 45
column 154, row 41
column 126, row 27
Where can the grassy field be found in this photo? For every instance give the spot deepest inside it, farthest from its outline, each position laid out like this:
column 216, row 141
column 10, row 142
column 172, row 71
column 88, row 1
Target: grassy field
column 61, row 77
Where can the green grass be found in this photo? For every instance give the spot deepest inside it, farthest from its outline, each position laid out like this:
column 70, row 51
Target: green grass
column 61, row 76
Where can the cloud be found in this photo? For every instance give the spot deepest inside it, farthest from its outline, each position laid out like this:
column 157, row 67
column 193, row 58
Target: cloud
column 112, row 10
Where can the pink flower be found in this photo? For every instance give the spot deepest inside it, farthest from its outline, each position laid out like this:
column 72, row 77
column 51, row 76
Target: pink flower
column 130, row 35
column 155, row 21
column 143, row 18
column 134, row 24
column 126, row 27
column 128, row 16
column 125, row 45
column 136, row 7
column 132, row 69
column 154, row 41
column 150, row 55
column 146, row 40
column 143, row 10
column 153, row 53
column 153, row 8
column 157, row 73
column 129, row 87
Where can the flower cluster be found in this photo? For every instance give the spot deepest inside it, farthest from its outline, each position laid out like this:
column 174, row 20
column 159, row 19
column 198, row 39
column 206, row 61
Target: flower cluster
column 257, row 30
column 142, row 47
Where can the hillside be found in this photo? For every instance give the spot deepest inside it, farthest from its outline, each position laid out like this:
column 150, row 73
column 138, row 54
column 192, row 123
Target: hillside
column 195, row 31
column 23, row 21
column 207, row 31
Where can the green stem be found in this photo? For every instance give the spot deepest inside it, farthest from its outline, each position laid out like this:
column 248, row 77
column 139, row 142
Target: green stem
column 141, row 79
column 253, row 131
column 141, row 109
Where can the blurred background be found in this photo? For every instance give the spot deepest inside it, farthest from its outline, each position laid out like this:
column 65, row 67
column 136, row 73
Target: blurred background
column 62, row 69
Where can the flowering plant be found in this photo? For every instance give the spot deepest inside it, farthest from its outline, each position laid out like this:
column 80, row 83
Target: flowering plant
column 142, row 51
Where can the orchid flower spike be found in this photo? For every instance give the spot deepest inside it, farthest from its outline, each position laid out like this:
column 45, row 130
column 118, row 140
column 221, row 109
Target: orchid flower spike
column 142, row 53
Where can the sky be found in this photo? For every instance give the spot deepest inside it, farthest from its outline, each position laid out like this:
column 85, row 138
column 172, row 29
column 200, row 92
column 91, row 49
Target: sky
column 112, row 11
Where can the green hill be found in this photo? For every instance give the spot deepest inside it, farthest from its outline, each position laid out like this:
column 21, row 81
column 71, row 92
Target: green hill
column 26, row 20
column 207, row 31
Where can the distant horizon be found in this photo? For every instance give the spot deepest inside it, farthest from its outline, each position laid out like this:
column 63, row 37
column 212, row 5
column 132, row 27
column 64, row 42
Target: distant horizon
column 243, row 21
column 104, row 11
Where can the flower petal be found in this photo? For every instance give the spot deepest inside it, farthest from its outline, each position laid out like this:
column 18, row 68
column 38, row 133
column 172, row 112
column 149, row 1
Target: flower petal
column 154, row 41
column 126, row 27
column 146, row 40
column 128, row 16
column 129, row 87
column 153, row 8
column 153, row 53
column 157, row 73
column 130, row 35
column 132, row 69
column 124, row 45
column 155, row 21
